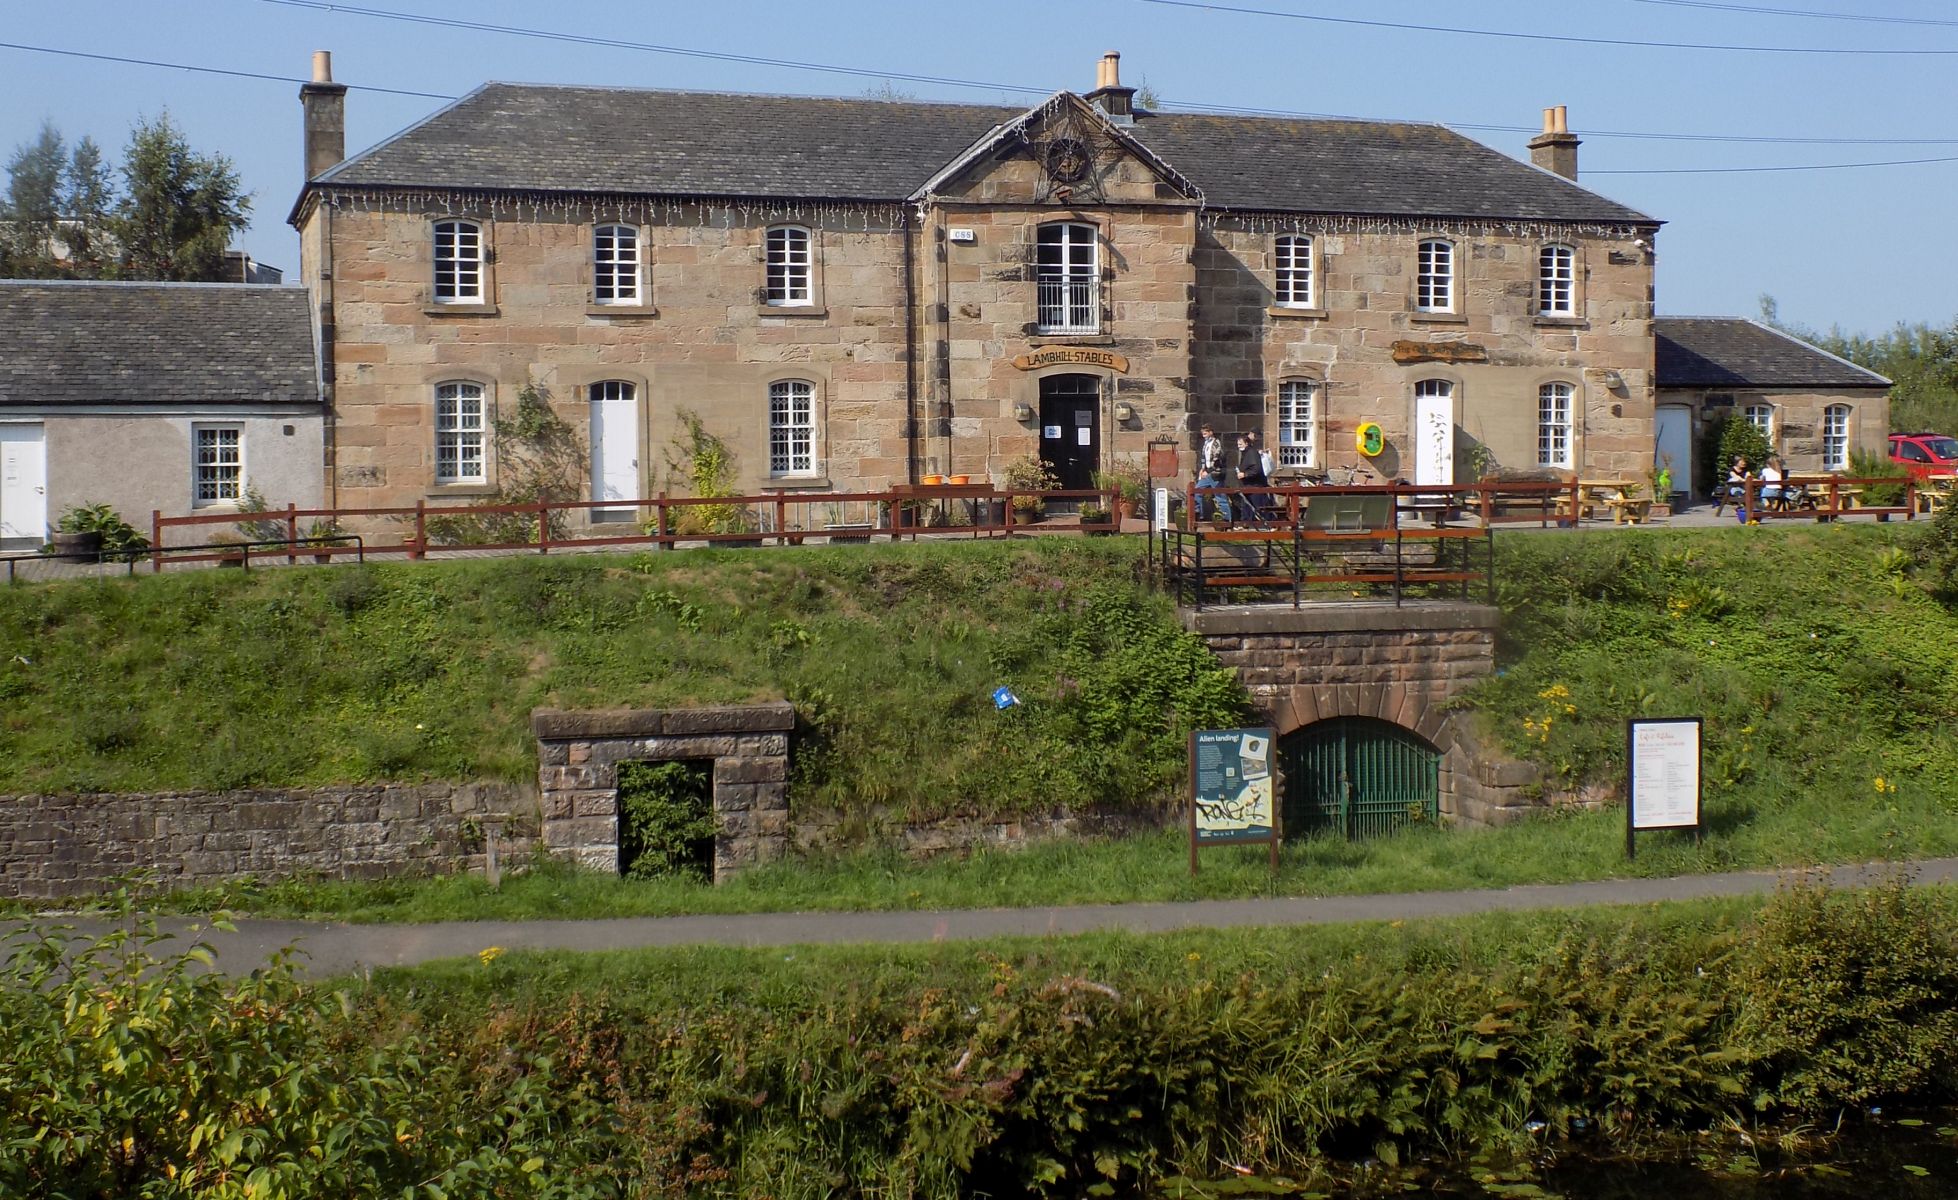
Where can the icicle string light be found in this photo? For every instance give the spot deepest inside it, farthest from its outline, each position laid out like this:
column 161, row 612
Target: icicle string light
column 1214, row 220
column 845, row 215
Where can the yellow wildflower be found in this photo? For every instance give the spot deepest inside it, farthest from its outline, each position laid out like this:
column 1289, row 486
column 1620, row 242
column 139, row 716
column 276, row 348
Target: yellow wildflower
column 489, row 954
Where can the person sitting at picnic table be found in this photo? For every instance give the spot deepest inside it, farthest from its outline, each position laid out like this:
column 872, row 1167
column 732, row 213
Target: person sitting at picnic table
column 1735, row 489
column 1211, row 475
column 1772, row 495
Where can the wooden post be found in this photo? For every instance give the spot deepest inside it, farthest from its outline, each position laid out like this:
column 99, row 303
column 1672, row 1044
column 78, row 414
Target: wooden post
column 660, row 520
column 156, row 541
column 421, row 530
column 543, row 528
column 781, row 520
column 292, row 533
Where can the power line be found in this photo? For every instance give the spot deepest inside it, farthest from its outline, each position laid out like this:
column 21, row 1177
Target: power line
column 583, row 39
column 144, row 62
column 1565, row 39
column 867, row 73
column 1804, row 12
column 1895, row 162
column 148, row 62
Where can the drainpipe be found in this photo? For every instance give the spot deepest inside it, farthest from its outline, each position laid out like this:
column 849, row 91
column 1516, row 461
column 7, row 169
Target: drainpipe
column 910, row 352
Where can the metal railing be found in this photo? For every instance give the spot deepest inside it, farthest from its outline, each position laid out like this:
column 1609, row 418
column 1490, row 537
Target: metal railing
column 1068, row 306
column 229, row 553
column 1386, row 541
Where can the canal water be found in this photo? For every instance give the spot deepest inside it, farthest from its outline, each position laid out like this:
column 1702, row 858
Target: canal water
column 1879, row 1157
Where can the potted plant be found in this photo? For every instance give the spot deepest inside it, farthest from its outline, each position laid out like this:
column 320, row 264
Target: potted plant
column 1096, row 520
column 94, row 533
column 1130, row 485
column 323, row 536
column 1662, row 487
column 1027, row 477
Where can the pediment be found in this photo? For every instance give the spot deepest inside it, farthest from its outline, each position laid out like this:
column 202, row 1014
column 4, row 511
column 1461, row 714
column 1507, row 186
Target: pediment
column 1064, row 151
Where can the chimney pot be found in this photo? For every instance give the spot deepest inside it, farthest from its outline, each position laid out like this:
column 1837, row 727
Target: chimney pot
column 1108, row 72
column 325, row 106
column 1555, row 149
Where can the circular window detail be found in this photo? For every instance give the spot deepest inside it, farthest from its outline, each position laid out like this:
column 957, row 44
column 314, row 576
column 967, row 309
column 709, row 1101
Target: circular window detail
column 1067, row 160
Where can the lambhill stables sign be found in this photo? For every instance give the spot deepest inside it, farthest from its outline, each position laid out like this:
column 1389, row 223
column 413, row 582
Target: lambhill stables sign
column 1056, row 356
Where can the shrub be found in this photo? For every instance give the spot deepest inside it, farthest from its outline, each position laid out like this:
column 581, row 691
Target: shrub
column 1726, row 438
column 701, row 465
column 1848, row 998
column 120, row 541
column 1866, row 464
column 666, row 819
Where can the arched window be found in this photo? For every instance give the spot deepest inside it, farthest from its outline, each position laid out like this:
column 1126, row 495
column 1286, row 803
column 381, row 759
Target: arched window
column 458, row 262
column 1292, row 271
column 460, row 427
column 1298, row 416
column 791, row 267
column 1553, row 424
column 792, row 427
column 1434, row 276
column 1556, row 282
column 615, row 265
column 1835, row 438
column 1067, row 273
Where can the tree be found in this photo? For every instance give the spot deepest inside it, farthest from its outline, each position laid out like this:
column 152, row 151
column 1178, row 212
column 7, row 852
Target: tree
column 33, row 205
column 1921, row 359
column 88, row 203
column 180, row 209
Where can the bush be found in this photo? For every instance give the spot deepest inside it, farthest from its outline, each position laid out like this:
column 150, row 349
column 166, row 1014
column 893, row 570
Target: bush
column 120, row 541
column 1866, row 464
column 666, row 820
column 1848, row 998
column 1726, row 438
column 1935, row 552
column 131, row 1070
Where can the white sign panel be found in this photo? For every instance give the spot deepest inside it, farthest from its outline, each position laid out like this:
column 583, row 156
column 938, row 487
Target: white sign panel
column 1162, row 508
column 1665, row 774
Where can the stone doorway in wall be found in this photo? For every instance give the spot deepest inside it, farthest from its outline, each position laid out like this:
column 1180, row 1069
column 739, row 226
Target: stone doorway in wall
column 666, row 819
column 1070, row 432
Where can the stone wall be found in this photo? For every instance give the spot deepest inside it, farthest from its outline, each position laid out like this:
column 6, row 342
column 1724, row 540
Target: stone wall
column 52, row 846
column 578, row 757
column 1401, row 664
column 1796, row 427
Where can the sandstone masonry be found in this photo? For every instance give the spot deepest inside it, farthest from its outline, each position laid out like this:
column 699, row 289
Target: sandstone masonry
column 64, row 845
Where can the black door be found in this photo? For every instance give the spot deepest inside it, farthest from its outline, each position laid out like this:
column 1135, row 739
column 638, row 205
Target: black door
column 1070, row 428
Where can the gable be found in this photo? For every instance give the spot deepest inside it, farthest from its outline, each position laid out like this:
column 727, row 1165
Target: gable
column 1061, row 152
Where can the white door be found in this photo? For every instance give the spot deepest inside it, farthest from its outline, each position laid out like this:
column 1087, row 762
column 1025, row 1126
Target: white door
column 614, row 448
column 1434, row 433
column 23, row 483
column 1672, row 438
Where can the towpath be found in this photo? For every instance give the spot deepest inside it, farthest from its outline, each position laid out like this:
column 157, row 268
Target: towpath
column 332, row 948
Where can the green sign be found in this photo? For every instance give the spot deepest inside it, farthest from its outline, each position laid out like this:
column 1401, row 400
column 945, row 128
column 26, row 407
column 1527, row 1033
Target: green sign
column 1233, row 789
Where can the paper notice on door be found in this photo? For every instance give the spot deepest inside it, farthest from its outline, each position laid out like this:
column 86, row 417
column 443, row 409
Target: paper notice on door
column 1051, row 432
column 1085, row 437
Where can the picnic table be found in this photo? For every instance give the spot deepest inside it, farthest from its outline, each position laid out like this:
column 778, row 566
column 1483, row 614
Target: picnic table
column 1591, row 493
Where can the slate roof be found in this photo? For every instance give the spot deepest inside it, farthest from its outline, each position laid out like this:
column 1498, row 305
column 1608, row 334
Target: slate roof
column 528, row 137
column 143, row 345
column 1717, row 352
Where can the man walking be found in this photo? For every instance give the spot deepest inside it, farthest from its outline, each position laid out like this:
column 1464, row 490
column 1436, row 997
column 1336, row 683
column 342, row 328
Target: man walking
column 1212, row 473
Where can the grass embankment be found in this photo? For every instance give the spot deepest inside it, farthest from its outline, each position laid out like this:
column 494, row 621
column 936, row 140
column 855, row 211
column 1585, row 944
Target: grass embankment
column 1052, row 1067
column 1820, row 665
column 407, row 672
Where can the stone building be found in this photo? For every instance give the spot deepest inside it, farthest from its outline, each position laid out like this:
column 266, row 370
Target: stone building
column 1814, row 407
column 858, row 293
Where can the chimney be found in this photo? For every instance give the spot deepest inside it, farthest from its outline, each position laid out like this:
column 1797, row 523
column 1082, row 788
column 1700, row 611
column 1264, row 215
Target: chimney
column 1555, row 149
column 325, row 103
column 1109, row 94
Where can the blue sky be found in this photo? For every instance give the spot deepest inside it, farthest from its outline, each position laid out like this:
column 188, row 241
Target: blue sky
column 1862, row 248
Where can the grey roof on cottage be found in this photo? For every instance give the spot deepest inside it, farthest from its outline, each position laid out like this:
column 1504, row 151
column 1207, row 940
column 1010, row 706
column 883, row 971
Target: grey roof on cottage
column 1734, row 352
column 524, row 137
column 143, row 345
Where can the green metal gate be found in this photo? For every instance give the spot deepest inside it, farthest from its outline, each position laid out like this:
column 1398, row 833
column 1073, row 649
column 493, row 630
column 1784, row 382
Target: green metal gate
column 1358, row 776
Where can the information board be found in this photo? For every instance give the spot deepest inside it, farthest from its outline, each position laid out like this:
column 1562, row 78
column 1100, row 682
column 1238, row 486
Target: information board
column 1663, row 781
column 1233, row 789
